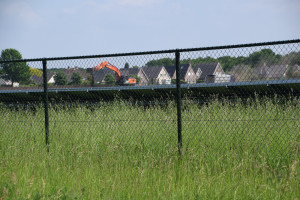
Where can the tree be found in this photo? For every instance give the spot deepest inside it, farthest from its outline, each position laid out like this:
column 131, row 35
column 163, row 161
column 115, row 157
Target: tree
column 161, row 62
column 199, row 60
column 110, row 79
column 126, row 66
column 17, row 71
column 292, row 58
column 1, row 70
column 76, row 79
column 36, row 72
column 266, row 56
column 227, row 62
column 60, row 78
column 90, row 80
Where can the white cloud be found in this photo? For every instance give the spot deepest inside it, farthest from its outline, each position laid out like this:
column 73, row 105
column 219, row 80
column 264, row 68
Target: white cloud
column 21, row 12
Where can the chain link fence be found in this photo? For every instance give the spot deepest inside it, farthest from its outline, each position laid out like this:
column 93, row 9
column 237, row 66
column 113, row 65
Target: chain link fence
column 239, row 99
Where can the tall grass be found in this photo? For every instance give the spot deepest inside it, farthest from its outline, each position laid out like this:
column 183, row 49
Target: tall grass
column 231, row 150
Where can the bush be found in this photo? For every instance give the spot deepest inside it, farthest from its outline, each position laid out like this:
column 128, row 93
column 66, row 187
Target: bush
column 76, row 79
column 60, row 78
column 173, row 81
column 110, row 79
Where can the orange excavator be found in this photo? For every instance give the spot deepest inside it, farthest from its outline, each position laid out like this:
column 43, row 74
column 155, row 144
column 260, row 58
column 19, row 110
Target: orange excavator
column 121, row 80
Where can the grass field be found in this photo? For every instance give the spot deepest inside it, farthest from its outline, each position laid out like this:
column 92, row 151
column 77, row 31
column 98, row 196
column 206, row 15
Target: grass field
column 119, row 151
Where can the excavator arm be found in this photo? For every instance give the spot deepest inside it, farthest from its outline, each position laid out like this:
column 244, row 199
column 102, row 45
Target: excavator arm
column 121, row 80
column 109, row 66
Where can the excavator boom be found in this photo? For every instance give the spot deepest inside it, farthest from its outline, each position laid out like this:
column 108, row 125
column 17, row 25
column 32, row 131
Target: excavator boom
column 109, row 66
column 120, row 79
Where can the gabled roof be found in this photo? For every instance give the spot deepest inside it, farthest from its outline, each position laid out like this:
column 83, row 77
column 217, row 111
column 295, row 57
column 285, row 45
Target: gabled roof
column 171, row 70
column 100, row 74
column 129, row 71
column 36, row 79
column 183, row 70
column 197, row 70
column 39, row 80
column 206, row 68
column 271, row 71
column 152, row 72
column 4, row 82
column 70, row 71
column 296, row 67
column 238, row 67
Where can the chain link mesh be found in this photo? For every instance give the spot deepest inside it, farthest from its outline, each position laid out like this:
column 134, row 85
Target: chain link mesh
column 231, row 113
column 244, row 106
column 235, row 99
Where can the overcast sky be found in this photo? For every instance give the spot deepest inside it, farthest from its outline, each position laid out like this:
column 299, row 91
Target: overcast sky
column 55, row 28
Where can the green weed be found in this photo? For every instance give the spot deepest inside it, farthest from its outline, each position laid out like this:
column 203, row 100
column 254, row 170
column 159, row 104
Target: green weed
column 231, row 150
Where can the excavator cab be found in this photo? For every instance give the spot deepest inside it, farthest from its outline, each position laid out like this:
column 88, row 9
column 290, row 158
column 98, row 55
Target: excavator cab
column 125, row 80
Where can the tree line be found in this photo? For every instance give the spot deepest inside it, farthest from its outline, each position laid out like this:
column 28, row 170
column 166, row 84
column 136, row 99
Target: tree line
column 254, row 59
column 21, row 72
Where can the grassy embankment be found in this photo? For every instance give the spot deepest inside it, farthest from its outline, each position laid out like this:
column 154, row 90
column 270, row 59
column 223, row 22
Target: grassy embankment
column 128, row 152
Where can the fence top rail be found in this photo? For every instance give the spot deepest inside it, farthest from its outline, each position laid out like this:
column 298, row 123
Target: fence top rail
column 228, row 85
column 156, row 52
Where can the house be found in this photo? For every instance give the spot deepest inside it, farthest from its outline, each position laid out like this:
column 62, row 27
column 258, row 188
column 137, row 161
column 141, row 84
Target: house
column 157, row 75
column 39, row 80
column 70, row 71
column 139, row 72
column 292, row 71
column 187, row 73
column 296, row 72
column 198, row 72
column 4, row 82
column 211, row 72
column 243, row 73
column 271, row 72
column 296, row 68
column 99, row 75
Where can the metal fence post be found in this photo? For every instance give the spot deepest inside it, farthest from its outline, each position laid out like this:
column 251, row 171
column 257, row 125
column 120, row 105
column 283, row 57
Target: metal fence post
column 46, row 103
column 178, row 98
